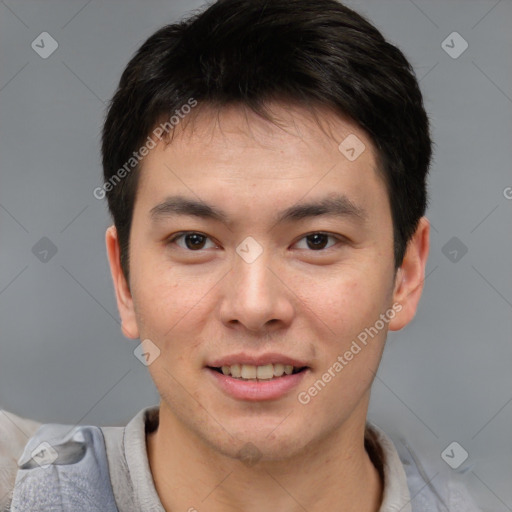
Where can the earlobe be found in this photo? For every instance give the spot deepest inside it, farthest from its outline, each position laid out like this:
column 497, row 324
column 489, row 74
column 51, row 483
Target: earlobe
column 121, row 288
column 411, row 276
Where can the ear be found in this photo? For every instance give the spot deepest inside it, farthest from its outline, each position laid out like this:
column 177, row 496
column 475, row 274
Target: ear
column 411, row 276
column 123, row 294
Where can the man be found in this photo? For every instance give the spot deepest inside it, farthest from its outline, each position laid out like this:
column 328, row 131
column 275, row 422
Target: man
column 265, row 167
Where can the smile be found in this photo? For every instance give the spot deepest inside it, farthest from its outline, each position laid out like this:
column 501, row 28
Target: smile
column 254, row 373
column 257, row 383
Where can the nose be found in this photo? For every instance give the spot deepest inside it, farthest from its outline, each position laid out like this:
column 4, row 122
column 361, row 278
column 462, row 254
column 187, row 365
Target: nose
column 255, row 297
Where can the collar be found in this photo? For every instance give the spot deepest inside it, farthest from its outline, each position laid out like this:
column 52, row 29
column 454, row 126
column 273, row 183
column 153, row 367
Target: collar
column 379, row 446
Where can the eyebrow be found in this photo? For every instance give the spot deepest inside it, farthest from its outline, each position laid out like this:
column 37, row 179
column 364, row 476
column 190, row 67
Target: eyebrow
column 336, row 206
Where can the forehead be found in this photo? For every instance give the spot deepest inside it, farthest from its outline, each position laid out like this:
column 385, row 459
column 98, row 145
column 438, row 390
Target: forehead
column 299, row 149
column 288, row 126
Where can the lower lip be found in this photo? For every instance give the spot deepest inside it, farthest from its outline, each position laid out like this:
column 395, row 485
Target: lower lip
column 259, row 390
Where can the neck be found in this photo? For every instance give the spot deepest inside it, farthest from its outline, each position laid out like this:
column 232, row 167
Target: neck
column 335, row 474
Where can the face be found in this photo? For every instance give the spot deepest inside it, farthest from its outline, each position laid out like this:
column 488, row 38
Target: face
column 258, row 248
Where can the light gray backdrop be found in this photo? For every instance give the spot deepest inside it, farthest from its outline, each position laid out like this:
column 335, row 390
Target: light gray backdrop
column 446, row 377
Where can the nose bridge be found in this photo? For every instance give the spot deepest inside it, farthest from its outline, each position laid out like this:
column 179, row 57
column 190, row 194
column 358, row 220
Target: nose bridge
column 253, row 277
column 253, row 295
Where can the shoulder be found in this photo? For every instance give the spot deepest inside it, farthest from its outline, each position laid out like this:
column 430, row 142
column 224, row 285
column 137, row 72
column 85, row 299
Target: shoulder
column 416, row 482
column 15, row 431
column 67, row 463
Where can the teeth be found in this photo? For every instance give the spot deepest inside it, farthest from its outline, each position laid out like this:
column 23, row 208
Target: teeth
column 251, row 372
column 278, row 370
column 265, row 372
column 248, row 371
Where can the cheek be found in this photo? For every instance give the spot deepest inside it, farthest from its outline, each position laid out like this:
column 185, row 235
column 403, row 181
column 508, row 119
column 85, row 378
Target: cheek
column 162, row 294
column 171, row 310
column 345, row 303
column 346, row 365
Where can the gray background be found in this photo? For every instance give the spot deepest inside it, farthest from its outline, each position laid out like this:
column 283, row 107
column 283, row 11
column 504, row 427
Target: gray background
column 446, row 377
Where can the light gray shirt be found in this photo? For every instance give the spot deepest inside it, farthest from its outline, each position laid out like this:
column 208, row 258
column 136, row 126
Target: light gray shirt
column 407, row 486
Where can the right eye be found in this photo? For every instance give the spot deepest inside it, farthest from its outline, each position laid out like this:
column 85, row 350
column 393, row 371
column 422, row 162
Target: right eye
column 191, row 240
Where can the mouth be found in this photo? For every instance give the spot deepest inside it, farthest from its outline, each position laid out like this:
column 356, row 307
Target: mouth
column 266, row 382
column 262, row 377
column 249, row 372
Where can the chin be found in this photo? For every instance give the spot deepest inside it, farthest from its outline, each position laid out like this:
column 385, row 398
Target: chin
column 252, row 449
column 254, row 441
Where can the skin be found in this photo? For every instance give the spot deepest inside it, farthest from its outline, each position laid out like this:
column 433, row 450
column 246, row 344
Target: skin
column 196, row 305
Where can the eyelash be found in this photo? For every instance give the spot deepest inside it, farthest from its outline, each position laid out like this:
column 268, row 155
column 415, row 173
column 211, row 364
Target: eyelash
column 182, row 234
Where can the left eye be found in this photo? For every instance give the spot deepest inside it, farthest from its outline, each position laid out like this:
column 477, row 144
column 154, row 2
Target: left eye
column 317, row 241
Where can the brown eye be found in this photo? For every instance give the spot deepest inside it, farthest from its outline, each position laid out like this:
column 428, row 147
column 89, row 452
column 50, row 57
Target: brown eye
column 192, row 241
column 317, row 241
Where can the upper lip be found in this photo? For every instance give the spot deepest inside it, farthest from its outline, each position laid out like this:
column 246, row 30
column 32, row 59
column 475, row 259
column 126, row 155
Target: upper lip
column 256, row 360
